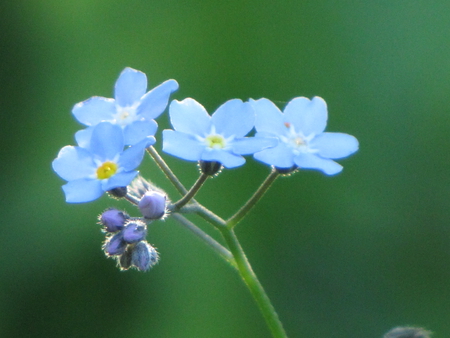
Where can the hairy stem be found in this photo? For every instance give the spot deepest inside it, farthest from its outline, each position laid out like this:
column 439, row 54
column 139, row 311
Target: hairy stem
column 191, row 193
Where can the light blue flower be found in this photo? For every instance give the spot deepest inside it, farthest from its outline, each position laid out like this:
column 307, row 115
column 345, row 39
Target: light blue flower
column 220, row 137
column 300, row 130
column 133, row 109
column 101, row 165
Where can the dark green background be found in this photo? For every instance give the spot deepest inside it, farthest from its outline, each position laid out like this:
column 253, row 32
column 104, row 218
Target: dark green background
column 345, row 256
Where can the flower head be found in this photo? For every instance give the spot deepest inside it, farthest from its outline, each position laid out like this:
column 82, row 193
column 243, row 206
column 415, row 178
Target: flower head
column 300, row 131
column 133, row 109
column 100, row 165
column 220, row 137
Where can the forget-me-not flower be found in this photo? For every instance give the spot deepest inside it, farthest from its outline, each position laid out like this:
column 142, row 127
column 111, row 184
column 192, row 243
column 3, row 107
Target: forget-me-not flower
column 133, row 109
column 99, row 166
column 300, row 131
column 220, row 137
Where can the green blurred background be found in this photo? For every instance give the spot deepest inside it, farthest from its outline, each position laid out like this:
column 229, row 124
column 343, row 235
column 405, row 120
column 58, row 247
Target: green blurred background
column 345, row 256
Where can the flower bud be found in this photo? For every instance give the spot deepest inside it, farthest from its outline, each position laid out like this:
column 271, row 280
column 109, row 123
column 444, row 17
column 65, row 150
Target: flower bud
column 113, row 220
column 152, row 205
column 125, row 259
column 134, row 231
column 118, row 192
column 144, row 256
column 115, row 245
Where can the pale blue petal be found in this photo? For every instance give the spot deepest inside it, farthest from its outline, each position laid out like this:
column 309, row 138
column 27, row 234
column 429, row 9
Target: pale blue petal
column 269, row 118
column 189, row 116
column 155, row 101
column 130, row 87
column 131, row 158
column 182, row 145
column 311, row 161
column 94, row 110
column 83, row 137
column 82, row 190
column 279, row 156
column 334, row 145
column 139, row 130
column 250, row 145
column 74, row 163
column 307, row 116
column 234, row 117
column 227, row 159
column 106, row 141
column 119, row 180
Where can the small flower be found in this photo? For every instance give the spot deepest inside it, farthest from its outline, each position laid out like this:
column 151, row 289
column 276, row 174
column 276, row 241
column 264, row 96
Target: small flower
column 133, row 109
column 99, row 166
column 152, row 205
column 113, row 220
column 220, row 137
column 408, row 332
column 300, row 131
column 144, row 256
column 134, row 231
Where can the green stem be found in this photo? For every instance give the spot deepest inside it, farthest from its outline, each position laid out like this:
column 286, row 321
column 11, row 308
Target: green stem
column 233, row 220
column 216, row 246
column 252, row 282
column 166, row 170
column 191, row 193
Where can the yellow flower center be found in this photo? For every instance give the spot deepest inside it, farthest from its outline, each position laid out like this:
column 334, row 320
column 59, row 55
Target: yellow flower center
column 123, row 115
column 215, row 141
column 106, row 170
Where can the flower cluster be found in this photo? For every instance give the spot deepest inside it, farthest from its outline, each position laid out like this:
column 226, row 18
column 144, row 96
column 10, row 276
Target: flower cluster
column 119, row 130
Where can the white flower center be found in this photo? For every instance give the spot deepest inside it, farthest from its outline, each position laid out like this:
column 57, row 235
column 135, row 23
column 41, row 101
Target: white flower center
column 214, row 140
column 125, row 116
column 298, row 142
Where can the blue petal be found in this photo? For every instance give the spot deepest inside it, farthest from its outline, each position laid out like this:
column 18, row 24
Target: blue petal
column 311, row 161
column 234, row 117
column 182, row 145
column 309, row 117
column 131, row 158
column 269, row 118
column 106, row 141
column 280, row 156
column 189, row 116
column 130, row 87
column 155, row 101
column 83, row 137
column 334, row 145
column 227, row 159
column 82, row 190
column 94, row 110
column 74, row 163
column 139, row 130
column 250, row 145
column 119, row 180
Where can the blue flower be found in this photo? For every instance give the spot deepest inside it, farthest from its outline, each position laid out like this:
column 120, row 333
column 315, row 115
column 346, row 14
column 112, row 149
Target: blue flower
column 300, row 130
column 220, row 137
column 133, row 109
column 99, row 166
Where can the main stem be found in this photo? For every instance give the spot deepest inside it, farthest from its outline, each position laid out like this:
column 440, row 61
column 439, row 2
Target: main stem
column 252, row 282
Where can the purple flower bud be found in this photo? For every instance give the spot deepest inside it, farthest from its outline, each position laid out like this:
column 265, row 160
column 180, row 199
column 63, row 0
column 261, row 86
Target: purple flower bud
column 152, row 205
column 144, row 256
column 113, row 220
column 125, row 259
column 134, row 231
column 115, row 245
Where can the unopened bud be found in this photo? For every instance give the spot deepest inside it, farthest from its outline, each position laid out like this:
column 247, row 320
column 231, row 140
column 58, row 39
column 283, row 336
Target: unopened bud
column 152, row 205
column 115, row 245
column 134, row 231
column 118, row 192
column 125, row 259
column 144, row 256
column 113, row 220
